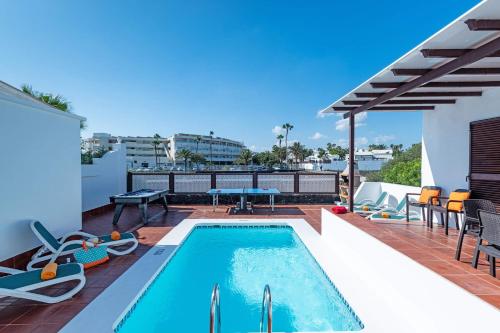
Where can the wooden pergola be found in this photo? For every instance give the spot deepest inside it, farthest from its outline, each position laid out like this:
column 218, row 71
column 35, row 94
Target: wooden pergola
column 460, row 61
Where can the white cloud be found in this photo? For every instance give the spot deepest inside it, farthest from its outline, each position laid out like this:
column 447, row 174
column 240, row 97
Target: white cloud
column 278, row 130
column 343, row 142
column 317, row 136
column 383, row 138
column 343, row 124
column 360, row 141
column 320, row 114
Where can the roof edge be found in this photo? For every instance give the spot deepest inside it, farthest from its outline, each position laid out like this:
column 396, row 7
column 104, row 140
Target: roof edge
column 328, row 109
column 22, row 98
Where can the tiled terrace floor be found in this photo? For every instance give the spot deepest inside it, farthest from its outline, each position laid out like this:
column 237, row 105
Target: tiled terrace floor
column 428, row 247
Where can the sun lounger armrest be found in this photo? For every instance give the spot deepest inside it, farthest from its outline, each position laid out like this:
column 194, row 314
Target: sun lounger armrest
column 10, row 271
column 76, row 233
column 65, row 245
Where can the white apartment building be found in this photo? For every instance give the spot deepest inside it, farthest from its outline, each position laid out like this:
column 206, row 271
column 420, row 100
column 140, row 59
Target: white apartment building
column 373, row 155
column 224, row 151
column 140, row 150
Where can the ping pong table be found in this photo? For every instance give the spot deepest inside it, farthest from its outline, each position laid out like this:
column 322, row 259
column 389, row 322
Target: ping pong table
column 243, row 193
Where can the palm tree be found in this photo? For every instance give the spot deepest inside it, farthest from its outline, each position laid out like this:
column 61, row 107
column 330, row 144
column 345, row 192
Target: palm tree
column 297, row 151
column 321, row 155
column 287, row 127
column 245, row 157
column 156, row 142
column 57, row 101
column 280, row 137
column 197, row 158
column 211, row 134
column 396, row 149
column 197, row 140
column 185, row 155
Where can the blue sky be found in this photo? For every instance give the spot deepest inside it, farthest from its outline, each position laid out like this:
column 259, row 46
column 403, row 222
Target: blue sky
column 239, row 68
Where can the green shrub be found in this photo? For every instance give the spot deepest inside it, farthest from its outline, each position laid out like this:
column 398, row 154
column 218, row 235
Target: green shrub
column 403, row 169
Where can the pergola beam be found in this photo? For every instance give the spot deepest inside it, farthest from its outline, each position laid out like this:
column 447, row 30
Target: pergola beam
column 483, row 25
column 387, row 108
column 461, row 71
column 462, row 61
column 439, row 84
column 425, row 94
column 451, row 53
column 403, row 101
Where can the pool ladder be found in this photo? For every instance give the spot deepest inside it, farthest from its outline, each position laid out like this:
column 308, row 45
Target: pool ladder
column 215, row 310
column 267, row 308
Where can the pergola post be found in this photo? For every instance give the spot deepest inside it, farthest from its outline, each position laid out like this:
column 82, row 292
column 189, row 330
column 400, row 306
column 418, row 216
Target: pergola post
column 351, row 162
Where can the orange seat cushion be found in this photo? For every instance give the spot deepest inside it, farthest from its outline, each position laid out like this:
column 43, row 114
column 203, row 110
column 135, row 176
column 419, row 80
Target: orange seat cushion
column 427, row 193
column 459, row 196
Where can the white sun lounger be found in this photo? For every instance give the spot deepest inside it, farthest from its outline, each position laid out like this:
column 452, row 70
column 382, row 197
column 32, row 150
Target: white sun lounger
column 20, row 284
column 52, row 248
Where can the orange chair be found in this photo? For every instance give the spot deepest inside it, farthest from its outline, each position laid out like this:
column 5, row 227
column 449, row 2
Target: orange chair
column 453, row 204
column 426, row 197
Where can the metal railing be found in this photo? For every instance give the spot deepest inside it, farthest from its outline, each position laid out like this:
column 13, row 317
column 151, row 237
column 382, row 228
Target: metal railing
column 267, row 304
column 215, row 310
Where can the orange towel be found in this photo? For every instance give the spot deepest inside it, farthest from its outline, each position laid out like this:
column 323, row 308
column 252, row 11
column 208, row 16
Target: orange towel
column 385, row 215
column 49, row 271
column 115, row 235
column 366, row 208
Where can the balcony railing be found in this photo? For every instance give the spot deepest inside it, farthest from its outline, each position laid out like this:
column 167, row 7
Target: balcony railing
column 201, row 182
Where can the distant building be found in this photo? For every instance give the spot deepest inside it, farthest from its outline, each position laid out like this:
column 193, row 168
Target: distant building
column 314, row 158
column 224, row 151
column 370, row 155
column 140, row 150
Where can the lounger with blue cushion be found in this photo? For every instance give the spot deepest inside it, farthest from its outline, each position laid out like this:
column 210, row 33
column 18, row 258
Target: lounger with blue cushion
column 372, row 205
column 20, row 283
column 397, row 213
column 53, row 248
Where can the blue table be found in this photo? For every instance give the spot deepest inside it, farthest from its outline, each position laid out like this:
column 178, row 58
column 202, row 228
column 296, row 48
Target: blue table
column 243, row 193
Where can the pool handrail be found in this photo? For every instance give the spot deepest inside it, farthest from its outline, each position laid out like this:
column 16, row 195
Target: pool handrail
column 215, row 309
column 267, row 303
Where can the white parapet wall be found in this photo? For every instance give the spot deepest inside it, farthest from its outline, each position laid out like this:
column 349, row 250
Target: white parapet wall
column 39, row 170
column 418, row 299
column 395, row 192
column 105, row 177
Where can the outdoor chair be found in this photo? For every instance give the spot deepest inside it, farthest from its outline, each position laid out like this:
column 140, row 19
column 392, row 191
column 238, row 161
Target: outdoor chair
column 53, row 248
column 471, row 224
column 446, row 205
column 489, row 230
column 397, row 213
column 423, row 201
column 20, row 283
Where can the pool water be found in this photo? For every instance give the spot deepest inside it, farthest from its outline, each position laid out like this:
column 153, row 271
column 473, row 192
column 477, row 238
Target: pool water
column 242, row 260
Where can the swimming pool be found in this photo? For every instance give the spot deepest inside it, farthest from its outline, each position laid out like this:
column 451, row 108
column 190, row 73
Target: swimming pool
column 242, row 259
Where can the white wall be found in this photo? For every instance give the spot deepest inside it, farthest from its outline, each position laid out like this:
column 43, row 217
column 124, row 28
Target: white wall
column 418, row 299
column 39, row 171
column 106, row 177
column 445, row 139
